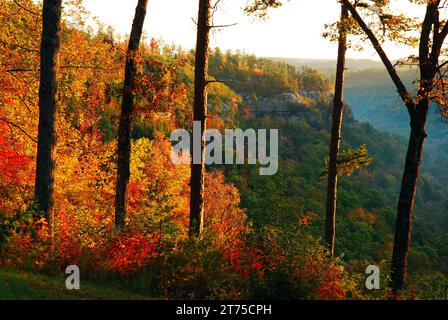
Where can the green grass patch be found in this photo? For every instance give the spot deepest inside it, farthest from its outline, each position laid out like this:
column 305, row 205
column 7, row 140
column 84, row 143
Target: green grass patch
column 21, row 285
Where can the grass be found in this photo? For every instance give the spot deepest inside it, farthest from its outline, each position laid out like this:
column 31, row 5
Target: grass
column 21, row 285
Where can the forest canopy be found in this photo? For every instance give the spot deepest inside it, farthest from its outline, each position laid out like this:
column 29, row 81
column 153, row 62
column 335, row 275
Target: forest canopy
column 117, row 206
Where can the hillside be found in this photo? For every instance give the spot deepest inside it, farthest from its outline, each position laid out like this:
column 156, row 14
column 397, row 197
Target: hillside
column 88, row 177
column 373, row 98
column 22, row 285
column 301, row 110
column 328, row 66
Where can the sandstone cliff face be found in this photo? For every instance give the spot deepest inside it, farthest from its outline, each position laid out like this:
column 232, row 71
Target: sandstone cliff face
column 315, row 107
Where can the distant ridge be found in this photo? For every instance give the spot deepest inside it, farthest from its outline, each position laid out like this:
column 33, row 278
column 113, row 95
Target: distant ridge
column 327, row 65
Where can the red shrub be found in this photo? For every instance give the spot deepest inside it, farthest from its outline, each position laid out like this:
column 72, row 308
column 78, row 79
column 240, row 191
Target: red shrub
column 129, row 250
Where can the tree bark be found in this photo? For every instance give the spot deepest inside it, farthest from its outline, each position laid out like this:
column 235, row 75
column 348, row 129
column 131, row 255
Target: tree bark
column 428, row 64
column 200, row 115
column 127, row 108
column 403, row 226
column 48, row 101
column 428, row 61
column 335, row 143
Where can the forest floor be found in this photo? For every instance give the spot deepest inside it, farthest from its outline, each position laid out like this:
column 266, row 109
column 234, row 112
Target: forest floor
column 21, row 285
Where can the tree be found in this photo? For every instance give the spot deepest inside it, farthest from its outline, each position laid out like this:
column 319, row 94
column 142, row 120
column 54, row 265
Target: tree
column 261, row 7
column 127, row 108
column 199, row 115
column 335, row 143
column 48, row 101
column 433, row 33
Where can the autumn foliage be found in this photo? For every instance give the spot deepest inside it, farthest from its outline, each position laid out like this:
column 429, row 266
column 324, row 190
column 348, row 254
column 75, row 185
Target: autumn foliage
column 232, row 261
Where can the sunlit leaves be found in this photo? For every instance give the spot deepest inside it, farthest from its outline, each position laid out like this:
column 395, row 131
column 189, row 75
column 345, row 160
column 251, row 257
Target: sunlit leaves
column 260, row 8
column 351, row 160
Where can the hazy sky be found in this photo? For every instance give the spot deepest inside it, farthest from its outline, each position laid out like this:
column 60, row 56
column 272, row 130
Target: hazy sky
column 293, row 30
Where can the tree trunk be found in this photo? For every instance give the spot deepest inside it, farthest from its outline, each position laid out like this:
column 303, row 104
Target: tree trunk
column 429, row 64
column 48, row 100
column 200, row 115
column 403, row 227
column 338, row 114
column 127, row 107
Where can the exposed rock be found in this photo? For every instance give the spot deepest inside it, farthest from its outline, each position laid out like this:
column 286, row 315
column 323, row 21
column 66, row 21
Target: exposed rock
column 313, row 106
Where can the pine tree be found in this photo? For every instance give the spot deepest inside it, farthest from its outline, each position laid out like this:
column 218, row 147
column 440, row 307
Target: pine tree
column 48, row 102
column 127, row 108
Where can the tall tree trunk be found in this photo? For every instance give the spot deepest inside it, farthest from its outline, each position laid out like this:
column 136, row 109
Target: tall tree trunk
column 429, row 55
column 48, row 101
column 338, row 114
column 200, row 115
column 127, row 108
column 403, row 227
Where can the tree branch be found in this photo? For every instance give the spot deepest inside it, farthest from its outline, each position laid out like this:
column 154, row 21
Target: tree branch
column 223, row 25
column 439, row 39
column 402, row 91
column 26, row 9
column 443, row 33
column 425, row 34
column 214, row 81
column 84, row 67
column 19, row 128
column 61, row 67
column 21, row 70
column 18, row 46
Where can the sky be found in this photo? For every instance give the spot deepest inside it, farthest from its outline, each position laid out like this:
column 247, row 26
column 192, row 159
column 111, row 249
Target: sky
column 292, row 31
